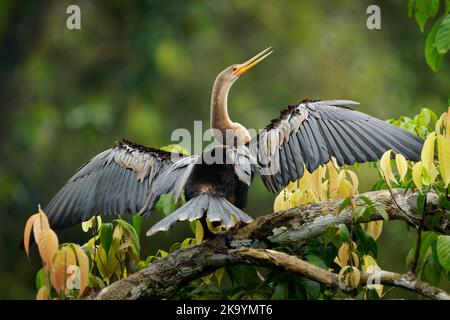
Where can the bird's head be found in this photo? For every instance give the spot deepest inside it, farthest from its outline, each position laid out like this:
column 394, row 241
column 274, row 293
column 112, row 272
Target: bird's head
column 233, row 72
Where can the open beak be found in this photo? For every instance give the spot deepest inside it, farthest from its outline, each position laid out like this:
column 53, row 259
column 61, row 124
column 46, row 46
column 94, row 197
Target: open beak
column 253, row 61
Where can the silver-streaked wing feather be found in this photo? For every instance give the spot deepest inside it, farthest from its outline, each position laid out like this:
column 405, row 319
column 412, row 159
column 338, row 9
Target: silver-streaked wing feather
column 310, row 133
column 125, row 178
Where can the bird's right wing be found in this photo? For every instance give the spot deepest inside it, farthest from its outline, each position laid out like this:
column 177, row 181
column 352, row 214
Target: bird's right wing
column 309, row 134
column 125, row 178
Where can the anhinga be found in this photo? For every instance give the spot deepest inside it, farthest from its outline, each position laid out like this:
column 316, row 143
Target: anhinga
column 131, row 177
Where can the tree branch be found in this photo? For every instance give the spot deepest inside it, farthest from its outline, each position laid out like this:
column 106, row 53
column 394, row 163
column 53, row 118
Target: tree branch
column 298, row 225
column 296, row 265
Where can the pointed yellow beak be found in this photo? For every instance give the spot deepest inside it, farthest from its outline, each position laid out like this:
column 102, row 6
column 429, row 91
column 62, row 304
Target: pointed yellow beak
column 253, row 61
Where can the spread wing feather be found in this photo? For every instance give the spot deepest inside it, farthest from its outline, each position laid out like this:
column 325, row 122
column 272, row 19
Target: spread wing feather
column 309, row 134
column 125, row 178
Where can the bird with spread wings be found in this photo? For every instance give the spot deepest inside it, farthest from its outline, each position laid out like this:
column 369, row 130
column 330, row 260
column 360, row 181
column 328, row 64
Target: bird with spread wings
column 131, row 178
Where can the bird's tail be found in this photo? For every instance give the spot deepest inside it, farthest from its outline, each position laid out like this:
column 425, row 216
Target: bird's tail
column 214, row 208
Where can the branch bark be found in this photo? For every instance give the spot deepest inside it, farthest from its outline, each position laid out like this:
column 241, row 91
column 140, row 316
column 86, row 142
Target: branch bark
column 294, row 226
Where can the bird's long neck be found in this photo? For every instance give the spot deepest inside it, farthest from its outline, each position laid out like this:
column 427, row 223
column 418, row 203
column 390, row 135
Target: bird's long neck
column 219, row 108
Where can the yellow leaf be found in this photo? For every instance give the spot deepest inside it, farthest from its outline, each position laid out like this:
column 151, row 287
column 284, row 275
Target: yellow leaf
column 306, row 198
column 91, row 243
column 199, row 232
column 333, row 178
column 187, row 242
column 47, row 244
column 83, row 264
column 291, row 186
column 343, row 254
column 316, row 182
column 163, row 253
column 438, row 126
column 355, row 181
column 118, row 233
column 281, row 202
column 64, row 258
column 444, row 158
column 40, row 224
column 417, row 171
column 402, row 165
column 371, row 266
column 86, row 225
column 207, row 279
column 355, row 259
column 386, row 169
column 345, row 188
column 341, row 278
column 374, row 228
column 430, row 177
column 350, row 276
column 354, row 278
column 427, row 155
column 447, row 125
column 43, row 293
column 27, row 233
column 219, row 274
column 337, row 261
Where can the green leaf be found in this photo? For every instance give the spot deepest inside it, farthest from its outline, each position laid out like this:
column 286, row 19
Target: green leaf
column 366, row 244
column 421, row 203
column 40, row 278
column 432, row 270
column 258, row 296
column 411, row 8
column 366, row 200
column 175, row 148
column 424, row 117
column 137, row 223
column 372, row 294
column 136, row 247
column 281, row 291
column 425, row 9
column 312, row 289
column 379, row 185
column 443, row 251
column 237, row 295
column 330, row 236
column 427, row 240
column 166, row 204
column 359, row 212
column 382, row 212
column 344, row 204
column 106, row 236
column 315, row 260
column 344, row 234
column 432, row 56
column 373, row 247
column 442, row 38
column 444, row 202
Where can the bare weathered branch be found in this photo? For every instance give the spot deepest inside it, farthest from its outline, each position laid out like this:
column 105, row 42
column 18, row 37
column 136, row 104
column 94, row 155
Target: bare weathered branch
column 295, row 226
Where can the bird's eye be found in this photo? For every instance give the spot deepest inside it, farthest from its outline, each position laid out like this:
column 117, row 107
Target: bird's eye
column 234, row 68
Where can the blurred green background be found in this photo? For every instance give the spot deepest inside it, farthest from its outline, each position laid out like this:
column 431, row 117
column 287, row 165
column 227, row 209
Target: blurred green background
column 140, row 69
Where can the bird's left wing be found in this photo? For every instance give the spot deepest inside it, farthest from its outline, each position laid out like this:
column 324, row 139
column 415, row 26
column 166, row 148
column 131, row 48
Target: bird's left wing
column 310, row 133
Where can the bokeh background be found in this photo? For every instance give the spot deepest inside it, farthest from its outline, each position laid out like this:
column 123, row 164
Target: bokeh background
column 140, row 69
